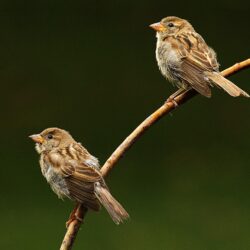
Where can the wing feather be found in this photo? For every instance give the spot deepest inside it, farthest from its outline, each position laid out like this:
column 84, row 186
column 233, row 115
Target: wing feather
column 197, row 58
column 80, row 179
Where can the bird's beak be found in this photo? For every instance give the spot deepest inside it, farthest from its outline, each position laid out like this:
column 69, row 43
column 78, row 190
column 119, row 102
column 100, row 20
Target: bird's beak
column 157, row 27
column 37, row 138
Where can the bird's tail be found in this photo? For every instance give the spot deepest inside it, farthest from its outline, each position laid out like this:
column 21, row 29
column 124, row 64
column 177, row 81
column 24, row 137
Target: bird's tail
column 113, row 207
column 225, row 84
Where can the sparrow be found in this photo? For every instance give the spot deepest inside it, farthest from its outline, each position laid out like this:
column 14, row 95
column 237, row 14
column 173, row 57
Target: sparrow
column 187, row 61
column 73, row 172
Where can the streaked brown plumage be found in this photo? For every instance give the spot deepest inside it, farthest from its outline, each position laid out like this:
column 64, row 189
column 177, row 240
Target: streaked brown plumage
column 185, row 59
column 73, row 172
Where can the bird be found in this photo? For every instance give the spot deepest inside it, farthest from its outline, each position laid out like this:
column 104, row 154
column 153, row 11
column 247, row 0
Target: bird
column 74, row 173
column 187, row 61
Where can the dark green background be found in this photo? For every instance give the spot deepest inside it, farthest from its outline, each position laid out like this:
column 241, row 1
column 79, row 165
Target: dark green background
column 89, row 67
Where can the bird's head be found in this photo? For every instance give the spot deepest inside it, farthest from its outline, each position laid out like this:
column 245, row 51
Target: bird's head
column 51, row 138
column 170, row 26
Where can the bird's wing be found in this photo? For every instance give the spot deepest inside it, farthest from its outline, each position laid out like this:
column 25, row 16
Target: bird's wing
column 196, row 58
column 193, row 48
column 80, row 179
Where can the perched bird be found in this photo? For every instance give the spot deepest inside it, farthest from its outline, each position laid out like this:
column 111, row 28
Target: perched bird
column 73, row 172
column 185, row 59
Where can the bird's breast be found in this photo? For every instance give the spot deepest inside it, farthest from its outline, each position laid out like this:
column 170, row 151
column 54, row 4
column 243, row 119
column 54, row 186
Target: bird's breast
column 55, row 179
column 167, row 59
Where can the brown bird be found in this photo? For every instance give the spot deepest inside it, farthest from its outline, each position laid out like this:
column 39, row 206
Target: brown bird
column 185, row 59
column 73, row 172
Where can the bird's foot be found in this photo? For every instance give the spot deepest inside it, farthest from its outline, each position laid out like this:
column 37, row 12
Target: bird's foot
column 72, row 218
column 171, row 99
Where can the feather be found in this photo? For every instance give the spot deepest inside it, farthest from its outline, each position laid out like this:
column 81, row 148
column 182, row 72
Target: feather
column 74, row 173
column 225, row 84
column 113, row 207
column 193, row 75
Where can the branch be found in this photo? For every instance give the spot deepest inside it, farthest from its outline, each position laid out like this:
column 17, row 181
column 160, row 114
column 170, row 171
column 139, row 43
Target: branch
column 154, row 117
column 166, row 108
column 73, row 228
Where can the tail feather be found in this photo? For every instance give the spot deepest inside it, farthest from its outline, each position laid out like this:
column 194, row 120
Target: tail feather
column 113, row 207
column 225, row 84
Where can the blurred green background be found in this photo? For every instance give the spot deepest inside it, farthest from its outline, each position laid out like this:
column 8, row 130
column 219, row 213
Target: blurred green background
column 89, row 67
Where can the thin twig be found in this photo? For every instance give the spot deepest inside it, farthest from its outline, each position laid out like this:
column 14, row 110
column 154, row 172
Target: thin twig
column 166, row 108
column 142, row 128
column 73, row 228
column 154, row 117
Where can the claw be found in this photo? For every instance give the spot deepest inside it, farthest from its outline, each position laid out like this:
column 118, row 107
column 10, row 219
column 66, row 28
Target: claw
column 68, row 222
column 72, row 218
column 173, row 101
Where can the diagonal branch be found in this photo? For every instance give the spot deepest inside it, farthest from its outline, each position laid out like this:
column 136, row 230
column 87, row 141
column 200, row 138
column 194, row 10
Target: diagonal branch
column 158, row 114
column 166, row 108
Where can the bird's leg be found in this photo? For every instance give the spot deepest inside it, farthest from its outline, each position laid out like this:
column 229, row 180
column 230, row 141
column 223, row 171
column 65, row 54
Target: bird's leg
column 174, row 95
column 75, row 215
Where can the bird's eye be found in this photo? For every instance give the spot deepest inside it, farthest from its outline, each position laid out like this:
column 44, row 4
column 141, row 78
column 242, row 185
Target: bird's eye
column 170, row 25
column 49, row 136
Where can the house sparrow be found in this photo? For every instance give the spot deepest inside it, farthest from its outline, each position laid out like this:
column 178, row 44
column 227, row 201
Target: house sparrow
column 185, row 59
column 73, row 172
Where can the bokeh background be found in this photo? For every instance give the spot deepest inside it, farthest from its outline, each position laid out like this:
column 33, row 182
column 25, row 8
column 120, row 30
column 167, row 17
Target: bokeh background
column 89, row 67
